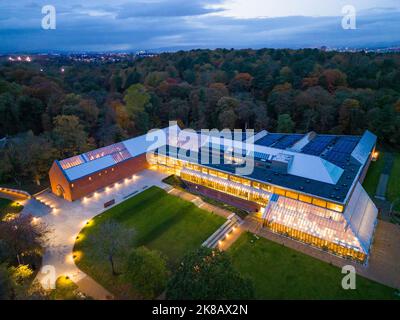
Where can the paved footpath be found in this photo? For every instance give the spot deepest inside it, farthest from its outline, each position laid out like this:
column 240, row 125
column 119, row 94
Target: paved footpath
column 66, row 219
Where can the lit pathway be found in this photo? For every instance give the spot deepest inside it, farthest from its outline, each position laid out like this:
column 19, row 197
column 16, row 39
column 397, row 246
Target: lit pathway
column 66, row 219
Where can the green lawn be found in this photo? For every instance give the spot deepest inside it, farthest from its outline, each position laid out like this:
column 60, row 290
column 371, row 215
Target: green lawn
column 161, row 221
column 8, row 206
column 393, row 191
column 282, row 273
column 371, row 180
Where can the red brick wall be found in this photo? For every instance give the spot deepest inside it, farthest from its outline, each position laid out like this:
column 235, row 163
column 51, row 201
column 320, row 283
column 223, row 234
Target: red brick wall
column 57, row 178
column 82, row 187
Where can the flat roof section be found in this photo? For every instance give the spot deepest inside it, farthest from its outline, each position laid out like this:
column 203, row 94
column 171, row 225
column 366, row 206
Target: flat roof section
column 335, row 192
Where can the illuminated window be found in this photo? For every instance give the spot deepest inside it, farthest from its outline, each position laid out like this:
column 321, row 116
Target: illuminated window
column 305, row 198
column 222, row 175
column 279, row 191
column 90, row 178
column 72, row 185
column 256, row 185
column 335, row 207
column 319, row 203
column 292, row 195
column 213, row 173
column 106, row 171
column 266, row 187
column 100, row 174
column 112, row 169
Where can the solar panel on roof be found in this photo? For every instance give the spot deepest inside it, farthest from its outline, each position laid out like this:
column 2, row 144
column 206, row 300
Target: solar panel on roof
column 318, row 145
column 260, row 155
column 337, row 158
column 269, row 139
column 288, row 141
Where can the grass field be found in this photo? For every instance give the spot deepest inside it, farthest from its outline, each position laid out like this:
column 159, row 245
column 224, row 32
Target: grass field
column 161, row 221
column 393, row 191
column 371, row 180
column 282, row 273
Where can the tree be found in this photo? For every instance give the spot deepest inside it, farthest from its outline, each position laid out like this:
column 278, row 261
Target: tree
column 17, row 283
column 26, row 157
column 66, row 289
column 30, row 114
column 226, row 108
column 6, row 285
column 69, row 136
column 350, row 115
column 285, row 124
column 136, row 98
column 111, row 239
column 9, row 115
column 208, row 274
column 147, row 271
column 23, row 238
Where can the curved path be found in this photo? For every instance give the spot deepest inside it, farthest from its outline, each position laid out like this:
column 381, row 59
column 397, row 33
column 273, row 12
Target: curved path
column 66, row 219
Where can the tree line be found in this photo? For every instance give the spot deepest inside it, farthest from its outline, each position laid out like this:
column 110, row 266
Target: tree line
column 48, row 114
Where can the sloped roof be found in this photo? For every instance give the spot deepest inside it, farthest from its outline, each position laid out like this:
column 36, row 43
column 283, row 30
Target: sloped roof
column 364, row 147
column 361, row 214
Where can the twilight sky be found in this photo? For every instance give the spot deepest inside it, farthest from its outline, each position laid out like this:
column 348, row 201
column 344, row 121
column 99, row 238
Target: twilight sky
column 130, row 25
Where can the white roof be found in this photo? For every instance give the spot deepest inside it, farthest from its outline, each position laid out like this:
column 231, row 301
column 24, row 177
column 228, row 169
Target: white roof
column 89, row 167
column 364, row 147
column 361, row 214
column 136, row 146
column 303, row 165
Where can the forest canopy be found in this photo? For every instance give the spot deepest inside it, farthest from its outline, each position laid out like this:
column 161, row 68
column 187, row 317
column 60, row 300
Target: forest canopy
column 58, row 114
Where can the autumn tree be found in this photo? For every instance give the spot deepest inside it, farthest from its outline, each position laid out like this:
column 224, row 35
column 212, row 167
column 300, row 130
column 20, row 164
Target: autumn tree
column 69, row 136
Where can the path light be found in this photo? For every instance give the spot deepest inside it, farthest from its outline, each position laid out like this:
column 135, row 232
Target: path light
column 35, row 220
column 84, row 223
column 69, row 258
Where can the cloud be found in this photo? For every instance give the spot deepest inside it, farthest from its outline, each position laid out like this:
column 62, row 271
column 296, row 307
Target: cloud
column 171, row 8
column 177, row 24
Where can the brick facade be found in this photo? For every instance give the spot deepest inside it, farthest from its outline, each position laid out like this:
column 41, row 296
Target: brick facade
column 73, row 190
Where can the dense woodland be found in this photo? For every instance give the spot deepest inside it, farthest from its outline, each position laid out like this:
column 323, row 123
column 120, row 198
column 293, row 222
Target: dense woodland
column 48, row 114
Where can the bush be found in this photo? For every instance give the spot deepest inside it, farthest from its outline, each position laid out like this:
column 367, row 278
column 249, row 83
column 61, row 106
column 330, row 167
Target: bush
column 147, row 272
column 208, row 274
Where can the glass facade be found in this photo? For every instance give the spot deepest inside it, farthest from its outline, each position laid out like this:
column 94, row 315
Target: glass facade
column 315, row 221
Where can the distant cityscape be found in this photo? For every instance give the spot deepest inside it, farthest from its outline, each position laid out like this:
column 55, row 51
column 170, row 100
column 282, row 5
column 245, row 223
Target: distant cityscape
column 113, row 57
